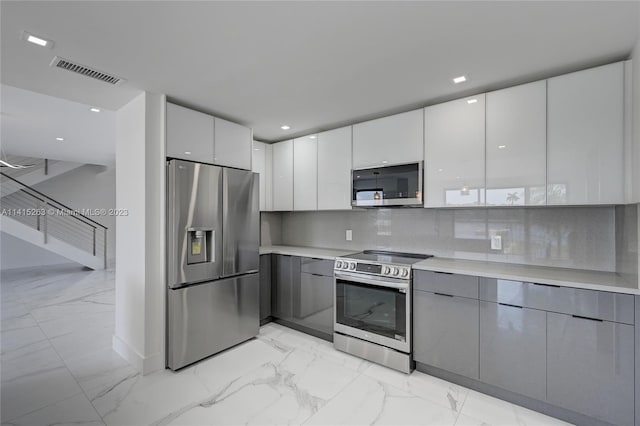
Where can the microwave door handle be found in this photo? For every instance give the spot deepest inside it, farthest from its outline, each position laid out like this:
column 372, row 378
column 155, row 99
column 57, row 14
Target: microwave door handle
column 362, row 280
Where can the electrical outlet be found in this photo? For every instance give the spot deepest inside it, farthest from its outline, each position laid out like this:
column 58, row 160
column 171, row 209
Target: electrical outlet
column 348, row 235
column 496, row 242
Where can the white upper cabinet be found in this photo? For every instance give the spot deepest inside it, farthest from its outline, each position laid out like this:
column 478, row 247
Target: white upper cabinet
column 189, row 134
column 586, row 137
column 334, row 169
column 269, row 178
column 259, row 165
column 283, row 176
column 305, row 173
column 516, row 145
column 193, row 135
column 396, row 139
column 232, row 144
column 454, row 153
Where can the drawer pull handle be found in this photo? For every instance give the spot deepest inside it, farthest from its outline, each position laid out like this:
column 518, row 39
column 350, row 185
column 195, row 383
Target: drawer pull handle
column 546, row 285
column 442, row 294
column 512, row 306
column 318, row 275
column 445, row 273
column 586, row 318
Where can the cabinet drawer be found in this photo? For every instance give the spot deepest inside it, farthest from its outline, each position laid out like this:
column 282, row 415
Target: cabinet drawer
column 444, row 283
column 311, row 265
column 517, row 293
column 602, row 305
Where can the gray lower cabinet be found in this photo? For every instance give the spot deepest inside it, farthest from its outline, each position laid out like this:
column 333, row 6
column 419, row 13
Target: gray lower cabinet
column 286, row 277
column 572, row 348
column 590, row 367
column 513, row 348
column 445, row 332
column 302, row 292
column 265, row 286
column 314, row 302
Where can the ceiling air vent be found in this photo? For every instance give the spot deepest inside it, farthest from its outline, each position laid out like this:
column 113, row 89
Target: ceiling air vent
column 65, row 64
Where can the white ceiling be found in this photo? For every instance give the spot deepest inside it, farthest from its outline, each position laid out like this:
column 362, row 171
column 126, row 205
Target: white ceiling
column 312, row 65
column 31, row 122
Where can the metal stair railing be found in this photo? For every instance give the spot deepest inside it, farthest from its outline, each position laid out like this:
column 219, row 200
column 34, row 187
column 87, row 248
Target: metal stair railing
column 54, row 219
column 35, row 164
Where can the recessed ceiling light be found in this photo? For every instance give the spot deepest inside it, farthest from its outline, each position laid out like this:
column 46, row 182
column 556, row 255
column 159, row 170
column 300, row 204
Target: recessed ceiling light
column 94, row 109
column 312, row 137
column 285, row 127
column 385, row 162
column 256, row 149
column 460, row 79
column 502, row 146
column 34, row 39
column 472, row 101
column 440, row 170
column 60, row 139
column 188, row 152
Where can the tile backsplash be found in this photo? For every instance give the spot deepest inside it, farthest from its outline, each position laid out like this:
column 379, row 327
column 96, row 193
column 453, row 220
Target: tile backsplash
column 570, row 237
column 270, row 228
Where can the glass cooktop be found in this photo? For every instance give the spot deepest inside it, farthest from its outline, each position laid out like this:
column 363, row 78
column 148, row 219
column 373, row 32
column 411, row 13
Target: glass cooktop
column 379, row 256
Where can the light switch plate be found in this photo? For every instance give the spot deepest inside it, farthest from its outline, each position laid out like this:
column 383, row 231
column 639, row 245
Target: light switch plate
column 348, row 235
column 496, row 242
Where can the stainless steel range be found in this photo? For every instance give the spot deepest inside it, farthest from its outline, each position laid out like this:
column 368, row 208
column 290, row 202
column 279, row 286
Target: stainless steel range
column 373, row 306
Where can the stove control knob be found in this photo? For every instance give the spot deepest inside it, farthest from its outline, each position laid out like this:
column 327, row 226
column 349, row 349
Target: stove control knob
column 338, row 264
column 386, row 270
column 404, row 273
column 352, row 266
column 394, row 271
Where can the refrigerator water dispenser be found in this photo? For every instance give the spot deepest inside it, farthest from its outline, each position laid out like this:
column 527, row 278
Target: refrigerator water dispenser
column 200, row 244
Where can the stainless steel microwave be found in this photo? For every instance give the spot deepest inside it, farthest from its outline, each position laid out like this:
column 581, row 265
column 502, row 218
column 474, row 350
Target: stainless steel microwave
column 394, row 185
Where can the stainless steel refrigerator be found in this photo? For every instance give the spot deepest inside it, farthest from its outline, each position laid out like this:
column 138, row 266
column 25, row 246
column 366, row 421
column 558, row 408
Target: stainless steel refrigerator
column 212, row 260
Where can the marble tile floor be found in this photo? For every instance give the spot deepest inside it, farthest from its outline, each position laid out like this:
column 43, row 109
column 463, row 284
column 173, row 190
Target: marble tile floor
column 58, row 368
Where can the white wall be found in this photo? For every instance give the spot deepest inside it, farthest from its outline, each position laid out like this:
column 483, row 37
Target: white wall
column 635, row 120
column 87, row 187
column 155, row 228
column 635, row 133
column 16, row 253
column 140, row 288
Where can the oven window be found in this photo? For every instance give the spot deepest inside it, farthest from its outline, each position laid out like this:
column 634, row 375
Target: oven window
column 379, row 310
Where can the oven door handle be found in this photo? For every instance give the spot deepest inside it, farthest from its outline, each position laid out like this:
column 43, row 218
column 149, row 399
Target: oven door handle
column 362, row 280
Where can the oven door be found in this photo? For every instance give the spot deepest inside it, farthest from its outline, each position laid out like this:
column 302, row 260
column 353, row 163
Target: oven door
column 374, row 309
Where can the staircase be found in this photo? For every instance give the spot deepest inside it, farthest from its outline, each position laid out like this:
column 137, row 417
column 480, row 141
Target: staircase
column 41, row 169
column 28, row 214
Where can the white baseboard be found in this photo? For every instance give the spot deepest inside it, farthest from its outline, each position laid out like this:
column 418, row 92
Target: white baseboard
column 153, row 363
column 144, row 365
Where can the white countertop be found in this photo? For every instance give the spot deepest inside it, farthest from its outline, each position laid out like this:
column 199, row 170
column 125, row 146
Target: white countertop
column 577, row 278
column 320, row 253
